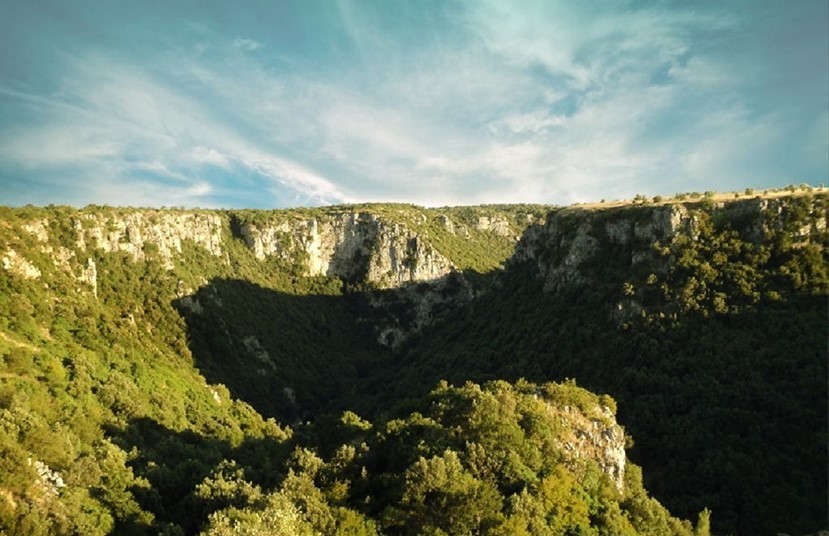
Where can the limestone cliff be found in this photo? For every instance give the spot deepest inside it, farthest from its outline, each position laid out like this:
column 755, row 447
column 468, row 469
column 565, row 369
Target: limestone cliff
column 592, row 435
column 569, row 242
column 405, row 270
column 386, row 246
column 132, row 232
column 403, row 252
column 15, row 264
column 352, row 246
column 357, row 247
column 412, row 259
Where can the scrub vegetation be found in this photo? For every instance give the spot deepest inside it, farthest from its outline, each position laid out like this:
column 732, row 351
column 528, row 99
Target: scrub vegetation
column 233, row 395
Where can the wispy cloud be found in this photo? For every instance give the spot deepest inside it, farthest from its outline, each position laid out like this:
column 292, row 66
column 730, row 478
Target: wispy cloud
column 121, row 118
column 246, row 45
column 209, row 156
column 438, row 104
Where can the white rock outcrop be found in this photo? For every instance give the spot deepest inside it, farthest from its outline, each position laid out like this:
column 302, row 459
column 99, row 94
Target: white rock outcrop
column 132, row 232
column 568, row 248
column 352, row 246
column 89, row 275
column 51, row 481
column 38, row 229
column 495, row 224
column 16, row 264
column 595, row 436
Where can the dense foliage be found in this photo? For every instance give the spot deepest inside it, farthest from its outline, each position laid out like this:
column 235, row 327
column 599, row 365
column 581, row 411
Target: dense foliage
column 219, row 396
column 717, row 358
column 468, row 460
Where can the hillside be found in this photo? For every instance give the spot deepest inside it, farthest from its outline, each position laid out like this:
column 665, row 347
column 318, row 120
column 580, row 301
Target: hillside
column 707, row 323
column 181, row 371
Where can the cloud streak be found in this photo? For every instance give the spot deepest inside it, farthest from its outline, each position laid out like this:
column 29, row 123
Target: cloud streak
column 445, row 103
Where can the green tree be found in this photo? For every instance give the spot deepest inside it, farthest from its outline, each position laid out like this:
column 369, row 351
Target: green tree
column 440, row 495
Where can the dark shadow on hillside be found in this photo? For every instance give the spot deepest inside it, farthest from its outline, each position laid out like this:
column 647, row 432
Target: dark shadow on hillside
column 287, row 355
column 727, row 411
column 175, row 463
column 293, row 356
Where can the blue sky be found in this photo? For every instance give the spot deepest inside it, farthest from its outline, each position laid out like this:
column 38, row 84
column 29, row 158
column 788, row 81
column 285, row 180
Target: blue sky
column 277, row 104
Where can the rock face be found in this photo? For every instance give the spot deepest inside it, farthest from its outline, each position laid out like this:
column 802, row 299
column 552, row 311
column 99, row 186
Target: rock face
column 165, row 230
column 571, row 237
column 89, row 275
column 355, row 246
column 51, row 481
column 16, row 264
column 390, row 253
column 411, row 308
column 495, row 224
column 408, row 272
column 596, row 436
column 134, row 233
column 61, row 256
column 351, row 246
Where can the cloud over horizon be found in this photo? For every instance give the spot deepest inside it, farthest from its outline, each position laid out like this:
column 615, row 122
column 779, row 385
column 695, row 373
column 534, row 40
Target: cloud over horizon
column 431, row 103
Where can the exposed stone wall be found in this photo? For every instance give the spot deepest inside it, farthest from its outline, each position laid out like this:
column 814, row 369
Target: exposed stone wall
column 495, row 224
column 131, row 232
column 16, row 264
column 595, row 436
column 571, row 237
column 422, row 303
column 352, row 246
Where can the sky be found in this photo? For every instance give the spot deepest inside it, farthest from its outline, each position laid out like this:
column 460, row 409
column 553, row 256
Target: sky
column 281, row 103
